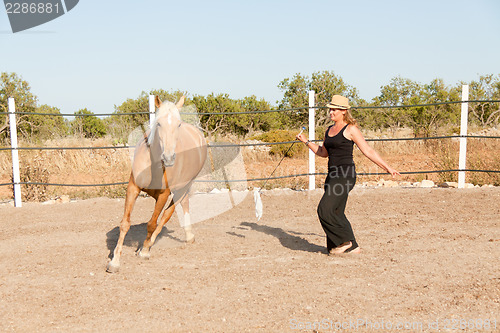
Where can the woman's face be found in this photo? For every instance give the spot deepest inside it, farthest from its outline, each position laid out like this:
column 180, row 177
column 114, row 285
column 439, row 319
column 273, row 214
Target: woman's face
column 336, row 114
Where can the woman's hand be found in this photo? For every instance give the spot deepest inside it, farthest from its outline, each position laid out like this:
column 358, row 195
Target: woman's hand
column 301, row 137
column 393, row 172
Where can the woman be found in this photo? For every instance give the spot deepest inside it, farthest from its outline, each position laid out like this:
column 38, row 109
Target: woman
column 337, row 146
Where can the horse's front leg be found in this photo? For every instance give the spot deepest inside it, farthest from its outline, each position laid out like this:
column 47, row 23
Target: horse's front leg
column 164, row 219
column 188, row 229
column 153, row 225
column 132, row 193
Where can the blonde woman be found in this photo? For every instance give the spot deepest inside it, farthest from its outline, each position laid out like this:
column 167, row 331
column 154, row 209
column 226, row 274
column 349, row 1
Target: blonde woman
column 338, row 146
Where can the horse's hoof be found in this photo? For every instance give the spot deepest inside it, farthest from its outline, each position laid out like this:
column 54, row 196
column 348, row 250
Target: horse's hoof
column 110, row 268
column 144, row 256
column 190, row 240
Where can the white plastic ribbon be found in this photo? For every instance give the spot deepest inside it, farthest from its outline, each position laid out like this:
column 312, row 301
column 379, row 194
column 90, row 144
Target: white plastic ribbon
column 258, row 203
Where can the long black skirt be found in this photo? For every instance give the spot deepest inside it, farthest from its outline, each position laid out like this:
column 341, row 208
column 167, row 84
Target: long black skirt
column 339, row 182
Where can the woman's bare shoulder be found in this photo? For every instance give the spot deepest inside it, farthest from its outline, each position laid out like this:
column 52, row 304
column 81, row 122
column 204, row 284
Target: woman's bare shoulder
column 351, row 131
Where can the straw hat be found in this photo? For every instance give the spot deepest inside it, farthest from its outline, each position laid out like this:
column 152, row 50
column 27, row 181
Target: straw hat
column 339, row 102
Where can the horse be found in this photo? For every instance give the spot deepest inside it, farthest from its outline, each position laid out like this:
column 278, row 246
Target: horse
column 166, row 161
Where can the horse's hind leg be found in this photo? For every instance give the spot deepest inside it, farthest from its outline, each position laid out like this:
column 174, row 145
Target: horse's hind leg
column 153, row 225
column 188, row 229
column 132, row 193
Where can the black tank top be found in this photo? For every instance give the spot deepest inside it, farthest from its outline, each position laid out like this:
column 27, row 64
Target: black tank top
column 339, row 149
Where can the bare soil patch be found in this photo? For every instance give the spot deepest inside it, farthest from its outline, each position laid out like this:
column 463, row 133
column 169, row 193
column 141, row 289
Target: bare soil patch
column 428, row 254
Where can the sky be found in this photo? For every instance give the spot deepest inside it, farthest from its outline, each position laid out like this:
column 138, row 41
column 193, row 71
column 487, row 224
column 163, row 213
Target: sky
column 102, row 52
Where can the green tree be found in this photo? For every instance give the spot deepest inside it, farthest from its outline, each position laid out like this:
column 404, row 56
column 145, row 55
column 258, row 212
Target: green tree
column 11, row 85
column 30, row 127
column 87, row 125
column 239, row 123
column 216, row 121
column 399, row 91
column 430, row 119
column 486, row 88
column 121, row 126
column 43, row 127
column 423, row 120
column 258, row 121
column 324, row 83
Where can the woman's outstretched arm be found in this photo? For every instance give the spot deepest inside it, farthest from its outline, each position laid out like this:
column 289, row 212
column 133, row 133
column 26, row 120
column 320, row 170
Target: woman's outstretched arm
column 368, row 151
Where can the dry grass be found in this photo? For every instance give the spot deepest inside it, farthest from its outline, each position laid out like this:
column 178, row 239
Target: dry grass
column 113, row 165
column 403, row 155
column 68, row 167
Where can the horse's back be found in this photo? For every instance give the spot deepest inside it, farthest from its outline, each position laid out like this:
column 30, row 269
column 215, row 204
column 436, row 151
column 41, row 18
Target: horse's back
column 191, row 153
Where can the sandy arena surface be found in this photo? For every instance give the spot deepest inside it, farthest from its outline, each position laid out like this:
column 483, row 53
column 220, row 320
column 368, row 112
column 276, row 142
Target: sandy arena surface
column 430, row 262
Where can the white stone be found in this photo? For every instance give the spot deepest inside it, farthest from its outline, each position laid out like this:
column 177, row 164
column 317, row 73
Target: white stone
column 49, row 202
column 427, row 183
column 63, row 199
column 390, row 183
column 448, row 184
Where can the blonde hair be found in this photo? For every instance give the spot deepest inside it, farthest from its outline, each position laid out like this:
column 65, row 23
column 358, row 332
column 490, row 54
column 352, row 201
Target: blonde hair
column 349, row 119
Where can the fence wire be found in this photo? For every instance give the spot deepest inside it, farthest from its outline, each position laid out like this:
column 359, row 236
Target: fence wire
column 260, row 179
column 215, row 145
column 254, row 144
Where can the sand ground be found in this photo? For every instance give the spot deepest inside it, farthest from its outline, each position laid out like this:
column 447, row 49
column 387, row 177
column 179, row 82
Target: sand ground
column 430, row 262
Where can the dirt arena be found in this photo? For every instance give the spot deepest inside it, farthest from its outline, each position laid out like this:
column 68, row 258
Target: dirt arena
column 430, row 262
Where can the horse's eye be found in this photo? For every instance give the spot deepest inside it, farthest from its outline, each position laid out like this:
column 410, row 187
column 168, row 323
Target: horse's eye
column 158, row 125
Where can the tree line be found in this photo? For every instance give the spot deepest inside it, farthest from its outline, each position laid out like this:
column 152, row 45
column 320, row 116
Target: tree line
column 424, row 120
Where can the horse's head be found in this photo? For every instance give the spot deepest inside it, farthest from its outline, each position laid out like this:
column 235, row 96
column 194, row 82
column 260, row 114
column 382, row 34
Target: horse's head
column 165, row 131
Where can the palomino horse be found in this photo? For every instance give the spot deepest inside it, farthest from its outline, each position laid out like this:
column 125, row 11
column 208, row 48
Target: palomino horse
column 165, row 164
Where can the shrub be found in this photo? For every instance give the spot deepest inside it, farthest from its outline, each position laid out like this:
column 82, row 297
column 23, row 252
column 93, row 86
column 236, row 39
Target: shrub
column 298, row 149
column 88, row 125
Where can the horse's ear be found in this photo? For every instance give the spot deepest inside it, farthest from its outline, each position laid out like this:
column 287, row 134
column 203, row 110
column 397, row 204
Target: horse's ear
column 157, row 101
column 180, row 103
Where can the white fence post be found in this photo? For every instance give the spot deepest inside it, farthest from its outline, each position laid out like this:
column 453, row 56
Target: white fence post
column 312, row 156
column 152, row 110
column 463, row 139
column 15, row 153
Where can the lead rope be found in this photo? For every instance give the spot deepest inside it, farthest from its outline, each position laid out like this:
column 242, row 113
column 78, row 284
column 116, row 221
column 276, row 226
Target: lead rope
column 256, row 192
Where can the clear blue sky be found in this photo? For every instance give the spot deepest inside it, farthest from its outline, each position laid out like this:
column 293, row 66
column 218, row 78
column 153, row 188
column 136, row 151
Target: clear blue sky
column 103, row 52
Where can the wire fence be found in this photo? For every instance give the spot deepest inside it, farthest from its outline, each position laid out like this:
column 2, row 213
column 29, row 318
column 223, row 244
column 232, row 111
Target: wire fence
column 231, row 145
column 257, row 144
column 259, row 179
